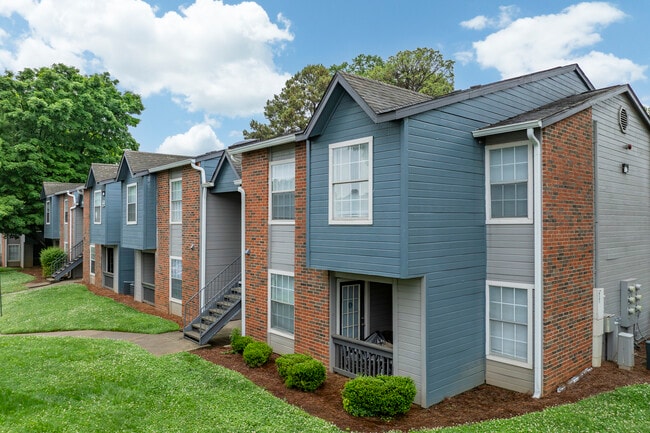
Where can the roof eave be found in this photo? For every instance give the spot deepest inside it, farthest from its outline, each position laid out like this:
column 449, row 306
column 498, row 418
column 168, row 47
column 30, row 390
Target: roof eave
column 272, row 142
column 170, row 166
column 504, row 129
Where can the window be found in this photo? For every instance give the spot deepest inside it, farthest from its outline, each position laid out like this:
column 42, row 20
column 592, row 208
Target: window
column 508, row 188
column 282, row 304
column 176, row 201
column 350, row 182
column 97, row 206
column 65, row 211
column 13, row 252
column 48, row 210
column 509, row 320
column 283, row 190
column 132, row 203
column 176, row 275
column 92, row 259
column 110, row 260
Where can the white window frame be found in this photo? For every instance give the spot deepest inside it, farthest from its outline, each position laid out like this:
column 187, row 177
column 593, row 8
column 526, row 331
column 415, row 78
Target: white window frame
column 13, row 252
column 171, row 201
column 66, row 211
column 134, row 204
column 171, row 278
column 488, row 190
column 93, row 262
column 97, row 206
column 271, row 192
column 330, row 199
column 48, row 211
column 529, row 326
column 276, row 331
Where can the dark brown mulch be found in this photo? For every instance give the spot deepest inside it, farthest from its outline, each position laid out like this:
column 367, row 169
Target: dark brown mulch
column 479, row 404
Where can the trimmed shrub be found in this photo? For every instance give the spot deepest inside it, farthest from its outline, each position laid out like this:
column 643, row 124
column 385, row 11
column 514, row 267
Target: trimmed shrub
column 306, row 376
column 50, row 256
column 381, row 396
column 285, row 362
column 239, row 342
column 257, row 354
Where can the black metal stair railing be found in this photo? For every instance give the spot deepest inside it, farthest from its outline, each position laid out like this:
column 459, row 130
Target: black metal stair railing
column 208, row 310
column 68, row 262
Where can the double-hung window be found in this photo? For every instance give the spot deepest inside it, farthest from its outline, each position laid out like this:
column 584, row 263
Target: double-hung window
column 65, row 211
column 176, row 276
column 509, row 323
column 132, row 203
column 92, row 259
column 97, row 206
column 282, row 302
column 282, row 190
column 350, row 182
column 176, row 201
column 48, row 211
column 13, row 252
column 508, row 184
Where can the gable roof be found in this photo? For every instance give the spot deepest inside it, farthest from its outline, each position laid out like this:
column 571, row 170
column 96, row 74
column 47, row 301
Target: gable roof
column 561, row 109
column 101, row 173
column 383, row 102
column 141, row 163
column 55, row 188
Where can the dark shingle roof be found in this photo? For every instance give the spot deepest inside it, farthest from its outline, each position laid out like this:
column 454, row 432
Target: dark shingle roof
column 382, row 97
column 52, row 188
column 140, row 162
column 103, row 172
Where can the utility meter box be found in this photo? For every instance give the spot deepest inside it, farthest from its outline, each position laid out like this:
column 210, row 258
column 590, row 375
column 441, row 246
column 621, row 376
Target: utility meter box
column 630, row 302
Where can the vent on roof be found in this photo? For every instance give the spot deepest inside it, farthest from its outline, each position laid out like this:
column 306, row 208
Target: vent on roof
column 622, row 119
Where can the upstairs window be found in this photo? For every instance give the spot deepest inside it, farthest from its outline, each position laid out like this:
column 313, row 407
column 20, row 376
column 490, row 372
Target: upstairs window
column 97, row 206
column 132, row 203
column 350, row 182
column 283, row 190
column 176, row 201
column 48, row 211
column 65, row 211
column 508, row 189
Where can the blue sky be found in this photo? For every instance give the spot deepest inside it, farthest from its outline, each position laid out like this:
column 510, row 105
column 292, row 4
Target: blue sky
column 205, row 68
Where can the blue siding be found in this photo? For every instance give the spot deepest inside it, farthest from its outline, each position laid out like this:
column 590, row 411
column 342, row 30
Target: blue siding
column 108, row 232
column 126, row 268
column 374, row 249
column 140, row 236
column 224, row 181
column 51, row 230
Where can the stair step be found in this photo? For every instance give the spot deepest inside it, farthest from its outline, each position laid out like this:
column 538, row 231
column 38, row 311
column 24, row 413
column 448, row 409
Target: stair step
column 217, row 311
column 192, row 335
column 201, row 326
column 210, row 318
column 224, row 304
column 233, row 297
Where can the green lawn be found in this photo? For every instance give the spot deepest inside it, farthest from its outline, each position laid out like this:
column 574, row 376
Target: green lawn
column 13, row 281
column 72, row 307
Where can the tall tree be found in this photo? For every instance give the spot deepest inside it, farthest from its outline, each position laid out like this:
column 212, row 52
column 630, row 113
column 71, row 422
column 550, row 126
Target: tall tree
column 55, row 122
column 422, row 70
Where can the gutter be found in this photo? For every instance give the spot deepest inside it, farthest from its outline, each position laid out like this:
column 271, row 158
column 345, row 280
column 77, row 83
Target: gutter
column 539, row 281
column 203, row 224
column 70, row 222
column 243, row 255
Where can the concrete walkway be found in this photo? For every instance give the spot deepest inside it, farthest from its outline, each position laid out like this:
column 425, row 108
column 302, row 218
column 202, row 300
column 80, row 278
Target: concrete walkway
column 157, row 344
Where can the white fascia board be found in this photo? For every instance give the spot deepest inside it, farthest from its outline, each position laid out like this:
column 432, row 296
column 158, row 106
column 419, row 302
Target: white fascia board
column 277, row 141
column 507, row 128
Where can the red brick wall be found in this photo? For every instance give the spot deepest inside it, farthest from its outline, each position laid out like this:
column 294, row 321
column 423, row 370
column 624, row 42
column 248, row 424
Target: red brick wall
column 162, row 251
column 568, row 227
column 191, row 229
column 255, row 170
column 87, row 209
column 312, row 307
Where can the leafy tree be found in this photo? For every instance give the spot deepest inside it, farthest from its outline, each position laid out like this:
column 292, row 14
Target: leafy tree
column 292, row 108
column 422, row 70
column 55, row 122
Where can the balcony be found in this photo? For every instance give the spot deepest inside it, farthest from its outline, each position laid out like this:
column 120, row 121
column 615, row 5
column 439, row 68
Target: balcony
column 355, row 357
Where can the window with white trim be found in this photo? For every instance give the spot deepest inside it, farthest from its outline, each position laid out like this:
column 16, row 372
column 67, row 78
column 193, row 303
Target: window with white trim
column 350, row 182
column 48, row 210
column 176, row 201
column 97, row 206
column 508, row 185
column 92, row 259
column 509, row 323
column 13, row 252
column 283, row 174
column 66, row 210
column 176, row 277
column 132, row 203
column 282, row 302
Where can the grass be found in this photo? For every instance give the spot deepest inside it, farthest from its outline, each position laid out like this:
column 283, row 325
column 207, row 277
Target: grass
column 12, row 281
column 86, row 385
column 72, row 307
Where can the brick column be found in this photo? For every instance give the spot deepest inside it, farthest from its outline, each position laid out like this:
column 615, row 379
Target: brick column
column 161, row 276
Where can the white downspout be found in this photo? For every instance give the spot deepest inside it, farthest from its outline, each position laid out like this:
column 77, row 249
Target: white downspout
column 538, row 298
column 243, row 256
column 70, row 222
column 203, row 224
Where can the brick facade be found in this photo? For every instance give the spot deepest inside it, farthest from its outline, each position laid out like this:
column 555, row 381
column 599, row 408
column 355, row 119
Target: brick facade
column 568, row 250
column 255, row 172
column 161, row 277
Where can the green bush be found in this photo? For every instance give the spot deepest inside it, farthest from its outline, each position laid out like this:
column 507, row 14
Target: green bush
column 306, row 376
column 50, row 256
column 285, row 362
column 239, row 342
column 382, row 396
column 257, row 354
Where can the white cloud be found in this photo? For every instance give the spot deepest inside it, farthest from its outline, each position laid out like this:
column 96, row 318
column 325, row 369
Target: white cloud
column 199, row 139
column 207, row 55
column 530, row 44
column 481, row 22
